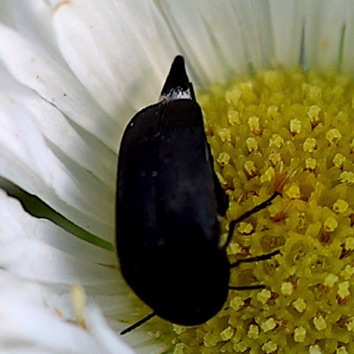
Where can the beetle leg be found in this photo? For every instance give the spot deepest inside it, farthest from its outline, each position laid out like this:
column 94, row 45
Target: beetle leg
column 254, row 210
column 137, row 324
column 262, row 257
column 247, row 287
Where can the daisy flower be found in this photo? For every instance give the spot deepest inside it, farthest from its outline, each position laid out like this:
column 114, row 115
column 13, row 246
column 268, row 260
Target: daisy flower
column 274, row 80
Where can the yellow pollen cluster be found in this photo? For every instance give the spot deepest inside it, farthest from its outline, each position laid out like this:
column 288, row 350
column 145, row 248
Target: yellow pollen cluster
column 292, row 132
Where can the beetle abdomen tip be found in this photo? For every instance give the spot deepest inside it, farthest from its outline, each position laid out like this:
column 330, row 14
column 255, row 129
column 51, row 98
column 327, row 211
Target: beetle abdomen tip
column 177, row 85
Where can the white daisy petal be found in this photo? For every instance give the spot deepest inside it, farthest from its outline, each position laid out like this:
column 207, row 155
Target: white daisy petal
column 27, row 160
column 34, row 260
column 198, row 39
column 287, row 21
column 37, row 70
column 220, row 38
column 37, row 250
column 105, row 337
column 29, row 248
column 5, row 12
column 323, row 30
column 348, row 39
column 66, row 142
column 71, row 196
column 34, row 323
column 18, row 226
column 113, row 51
column 33, row 19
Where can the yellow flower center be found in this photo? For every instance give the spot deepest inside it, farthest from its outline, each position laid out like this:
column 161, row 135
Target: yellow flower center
column 294, row 132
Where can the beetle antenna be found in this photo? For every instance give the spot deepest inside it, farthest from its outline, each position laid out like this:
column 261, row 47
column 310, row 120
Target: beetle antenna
column 138, row 324
column 177, row 85
column 248, row 213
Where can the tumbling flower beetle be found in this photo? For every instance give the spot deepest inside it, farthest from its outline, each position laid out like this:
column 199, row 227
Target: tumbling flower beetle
column 168, row 203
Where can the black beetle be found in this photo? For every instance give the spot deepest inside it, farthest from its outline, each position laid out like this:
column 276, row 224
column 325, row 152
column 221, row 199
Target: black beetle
column 168, row 203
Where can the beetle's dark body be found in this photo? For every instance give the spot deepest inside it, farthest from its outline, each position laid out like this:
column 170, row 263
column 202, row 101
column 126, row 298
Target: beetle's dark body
column 167, row 207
